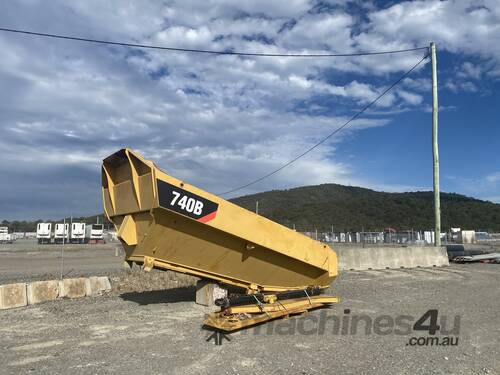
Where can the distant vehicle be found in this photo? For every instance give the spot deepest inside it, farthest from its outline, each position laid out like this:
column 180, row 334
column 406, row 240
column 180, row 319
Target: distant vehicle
column 94, row 233
column 6, row 238
column 44, row 232
column 30, row 235
column 78, row 232
column 61, row 233
column 18, row 235
column 4, row 229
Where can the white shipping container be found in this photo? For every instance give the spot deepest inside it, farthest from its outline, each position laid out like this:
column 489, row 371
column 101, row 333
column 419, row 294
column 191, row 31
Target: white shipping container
column 6, row 238
column 61, row 231
column 429, row 237
column 44, row 232
column 467, row 236
column 94, row 233
column 18, row 235
column 78, row 232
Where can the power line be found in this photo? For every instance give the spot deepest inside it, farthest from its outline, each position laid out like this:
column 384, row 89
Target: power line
column 214, row 52
column 332, row 133
column 206, row 51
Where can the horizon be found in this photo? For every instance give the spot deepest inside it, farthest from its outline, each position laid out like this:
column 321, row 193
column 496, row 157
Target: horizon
column 60, row 219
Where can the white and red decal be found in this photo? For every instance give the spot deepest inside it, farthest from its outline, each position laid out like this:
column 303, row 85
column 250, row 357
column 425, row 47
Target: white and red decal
column 186, row 203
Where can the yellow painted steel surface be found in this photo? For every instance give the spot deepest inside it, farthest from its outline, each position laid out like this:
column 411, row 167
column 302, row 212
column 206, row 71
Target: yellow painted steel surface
column 166, row 223
column 236, row 317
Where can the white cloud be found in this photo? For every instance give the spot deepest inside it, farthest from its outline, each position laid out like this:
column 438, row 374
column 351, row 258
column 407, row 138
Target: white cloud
column 366, row 93
column 462, row 27
column 410, row 98
column 203, row 118
column 493, row 177
column 418, row 84
column 319, row 32
column 458, row 86
column 470, row 70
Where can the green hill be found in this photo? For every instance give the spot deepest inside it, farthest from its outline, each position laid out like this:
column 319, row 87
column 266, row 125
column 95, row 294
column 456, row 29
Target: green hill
column 349, row 208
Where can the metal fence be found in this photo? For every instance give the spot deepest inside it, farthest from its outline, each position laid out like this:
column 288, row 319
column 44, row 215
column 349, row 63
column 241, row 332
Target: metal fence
column 386, row 237
column 408, row 237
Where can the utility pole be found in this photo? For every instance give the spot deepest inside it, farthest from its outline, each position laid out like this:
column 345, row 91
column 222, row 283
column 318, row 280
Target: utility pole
column 363, row 234
column 257, row 207
column 62, row 247
column 435, row 149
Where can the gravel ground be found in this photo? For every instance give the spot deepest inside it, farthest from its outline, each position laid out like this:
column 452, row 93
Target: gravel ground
column 25, row 260
column 136, row 281
column 157, row 332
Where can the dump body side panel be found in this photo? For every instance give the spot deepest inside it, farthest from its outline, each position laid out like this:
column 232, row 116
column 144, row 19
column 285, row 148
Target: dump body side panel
column 189, row 230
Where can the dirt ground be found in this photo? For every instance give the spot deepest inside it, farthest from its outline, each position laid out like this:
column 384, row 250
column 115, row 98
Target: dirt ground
column 25, row 260
column 160, row 331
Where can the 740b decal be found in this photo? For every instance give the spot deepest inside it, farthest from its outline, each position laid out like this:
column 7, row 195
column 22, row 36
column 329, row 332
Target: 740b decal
column 186, row 203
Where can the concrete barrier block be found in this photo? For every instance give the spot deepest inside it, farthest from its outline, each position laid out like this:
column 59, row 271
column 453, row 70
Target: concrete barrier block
column 372, row 259
column 88, row 287
column 13, row 295
column 41, row 291
column 393, row 257
column 405, row 257
column 104, row 283
column 97, row 285
column 439, row 257
column 207, row 292
column 73, row 288
column 420, row 256
column 389, row 259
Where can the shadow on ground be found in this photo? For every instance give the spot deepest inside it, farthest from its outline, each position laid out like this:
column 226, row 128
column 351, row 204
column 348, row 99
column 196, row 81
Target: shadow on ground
column 185, row 294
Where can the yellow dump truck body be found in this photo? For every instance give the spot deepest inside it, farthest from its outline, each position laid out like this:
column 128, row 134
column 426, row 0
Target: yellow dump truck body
column 166, row 223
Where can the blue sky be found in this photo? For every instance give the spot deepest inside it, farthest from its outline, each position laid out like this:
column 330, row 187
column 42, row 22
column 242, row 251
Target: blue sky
column 221, row 121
